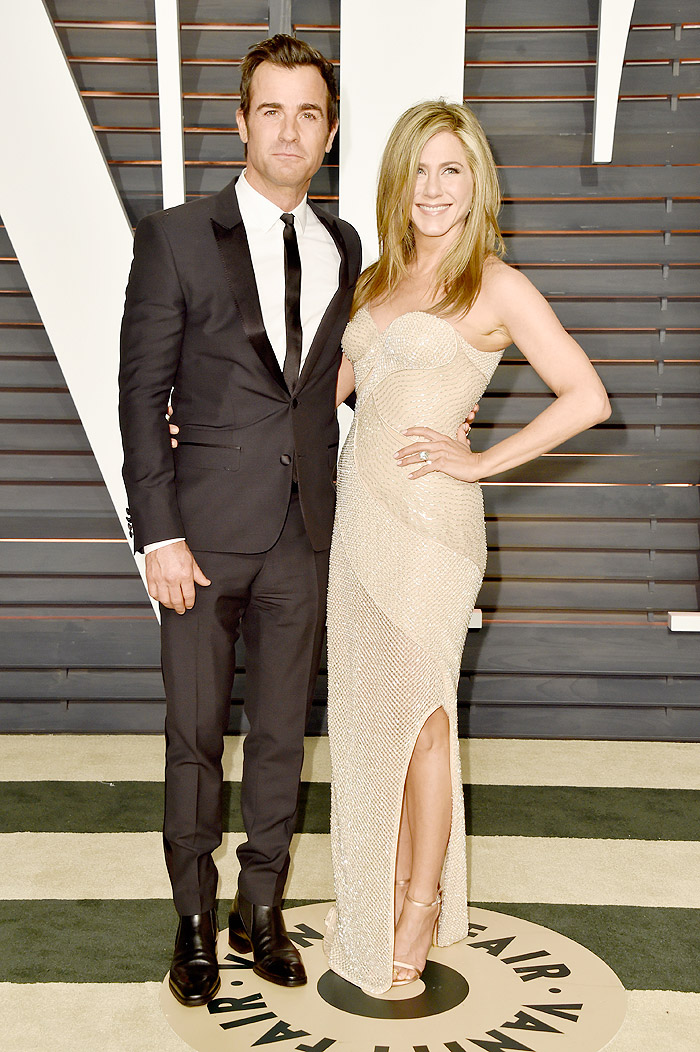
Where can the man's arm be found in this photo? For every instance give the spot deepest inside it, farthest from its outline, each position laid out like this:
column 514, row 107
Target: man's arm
column 151, row 337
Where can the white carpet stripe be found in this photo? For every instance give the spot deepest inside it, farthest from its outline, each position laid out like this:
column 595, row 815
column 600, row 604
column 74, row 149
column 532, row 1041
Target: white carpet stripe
column 81, row 1017
column 659, row 1020
column 503, row 869
column 133, row 757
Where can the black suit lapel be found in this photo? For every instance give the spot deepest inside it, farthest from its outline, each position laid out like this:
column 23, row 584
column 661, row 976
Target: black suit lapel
column 335, row 306
column 235, row 254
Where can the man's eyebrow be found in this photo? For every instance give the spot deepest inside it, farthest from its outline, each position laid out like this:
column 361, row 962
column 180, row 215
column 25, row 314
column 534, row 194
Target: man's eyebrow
column 280, row 106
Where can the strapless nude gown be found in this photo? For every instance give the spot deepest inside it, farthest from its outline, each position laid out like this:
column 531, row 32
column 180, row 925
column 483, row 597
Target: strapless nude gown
column 407, row 561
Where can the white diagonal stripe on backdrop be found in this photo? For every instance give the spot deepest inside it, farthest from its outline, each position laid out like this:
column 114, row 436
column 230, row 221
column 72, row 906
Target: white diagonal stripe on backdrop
column 66, row 223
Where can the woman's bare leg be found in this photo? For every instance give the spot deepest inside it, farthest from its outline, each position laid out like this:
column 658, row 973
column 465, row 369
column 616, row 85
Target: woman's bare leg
column 404, row 861
column 428, row 805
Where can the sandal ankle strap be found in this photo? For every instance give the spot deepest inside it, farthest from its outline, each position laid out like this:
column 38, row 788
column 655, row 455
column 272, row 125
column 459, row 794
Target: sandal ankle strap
column 425, row 905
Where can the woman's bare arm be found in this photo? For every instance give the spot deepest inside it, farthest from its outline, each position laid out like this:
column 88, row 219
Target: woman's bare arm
column 581, row 402
column 346, row 381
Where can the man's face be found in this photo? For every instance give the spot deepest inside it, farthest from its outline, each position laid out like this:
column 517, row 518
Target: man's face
column 287, row 129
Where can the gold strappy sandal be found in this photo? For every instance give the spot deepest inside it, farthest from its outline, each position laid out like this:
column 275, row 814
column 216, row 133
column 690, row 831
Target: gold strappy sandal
column 411, row 967
column 399, row 884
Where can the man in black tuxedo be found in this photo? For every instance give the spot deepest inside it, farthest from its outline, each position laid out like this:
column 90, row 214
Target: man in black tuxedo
column 237, row 303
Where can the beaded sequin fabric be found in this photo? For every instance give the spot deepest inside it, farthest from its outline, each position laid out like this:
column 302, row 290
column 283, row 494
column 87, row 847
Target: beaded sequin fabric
column 407, row 561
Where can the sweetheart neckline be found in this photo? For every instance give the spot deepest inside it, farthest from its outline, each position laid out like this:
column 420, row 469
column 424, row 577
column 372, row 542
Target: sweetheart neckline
column 427, row 314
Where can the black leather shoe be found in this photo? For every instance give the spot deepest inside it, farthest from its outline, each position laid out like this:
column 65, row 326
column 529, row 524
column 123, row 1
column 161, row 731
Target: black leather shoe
column 194, row 972
column 261, row 929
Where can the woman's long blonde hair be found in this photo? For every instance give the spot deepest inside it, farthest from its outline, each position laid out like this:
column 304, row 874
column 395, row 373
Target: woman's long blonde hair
column 458, row 277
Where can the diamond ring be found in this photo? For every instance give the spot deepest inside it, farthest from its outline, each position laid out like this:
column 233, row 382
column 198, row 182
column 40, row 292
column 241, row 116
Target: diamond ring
column 423, row 455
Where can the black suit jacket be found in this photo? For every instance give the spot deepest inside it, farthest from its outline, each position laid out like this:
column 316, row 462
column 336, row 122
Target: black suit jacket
column 192, row 323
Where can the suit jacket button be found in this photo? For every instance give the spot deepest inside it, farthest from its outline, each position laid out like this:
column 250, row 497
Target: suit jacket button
column 285, row 459
column 295, row 403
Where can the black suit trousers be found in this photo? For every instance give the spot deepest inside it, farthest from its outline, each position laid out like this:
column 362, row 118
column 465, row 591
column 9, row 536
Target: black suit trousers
column 272, row 599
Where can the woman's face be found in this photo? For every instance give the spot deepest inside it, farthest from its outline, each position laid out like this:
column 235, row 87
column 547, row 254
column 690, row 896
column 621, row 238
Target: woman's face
column 444, row 187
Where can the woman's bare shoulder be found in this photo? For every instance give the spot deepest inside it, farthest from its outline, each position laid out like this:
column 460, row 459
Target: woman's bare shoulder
column 497, row 274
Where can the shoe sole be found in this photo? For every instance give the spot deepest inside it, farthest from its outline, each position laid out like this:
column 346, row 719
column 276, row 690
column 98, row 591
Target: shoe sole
column 194, row 1002
column 244, row 945
column 277, row 981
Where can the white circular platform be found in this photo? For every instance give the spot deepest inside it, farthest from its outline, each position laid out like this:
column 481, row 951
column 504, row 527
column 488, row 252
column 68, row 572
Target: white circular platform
column 510, row 985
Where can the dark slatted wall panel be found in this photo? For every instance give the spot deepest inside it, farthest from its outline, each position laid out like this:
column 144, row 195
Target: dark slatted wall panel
column 589, row 548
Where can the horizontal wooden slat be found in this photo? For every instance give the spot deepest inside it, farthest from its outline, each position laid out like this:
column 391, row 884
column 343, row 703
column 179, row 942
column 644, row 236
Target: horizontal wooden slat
column 573, row 470
column 653, row 116
column 592, row 502
column 476, row 689
column 107, row 559
column 558, row 467
column 504, row 595
column 96, row 591
column 592, row 565
column 620, row 379
column 500, row 595
column 601, row 440
column 512, row 377
column 627, row 410
column 100, row 559
column 591, row 215
column 509, row 80
column 591, row 180
column 67, row 438
column 37, row 405
column 499, row 648
column 541, row 501
column 601, row 248
column 487, row 13
column 58, row 499
column 18, row 307
column 503, row 533
column 572, row 534
column 66, row 524
column 567, row 145
column 516, row 181
column 664, row 441
column 79, row 467
column 576, row 44
column 648, row 280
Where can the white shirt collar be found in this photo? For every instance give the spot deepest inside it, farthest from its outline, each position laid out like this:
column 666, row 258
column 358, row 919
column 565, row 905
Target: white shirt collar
column 259, row 213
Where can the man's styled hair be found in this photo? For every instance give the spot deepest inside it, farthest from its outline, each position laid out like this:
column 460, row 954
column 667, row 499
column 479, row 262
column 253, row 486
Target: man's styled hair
column 289, row 52
column 458, row 277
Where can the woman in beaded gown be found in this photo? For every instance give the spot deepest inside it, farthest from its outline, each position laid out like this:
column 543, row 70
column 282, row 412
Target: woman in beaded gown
column 431, row 320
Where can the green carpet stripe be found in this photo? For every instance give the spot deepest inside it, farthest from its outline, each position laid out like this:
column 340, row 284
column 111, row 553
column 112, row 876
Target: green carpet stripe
column 650, row 948
column 491, row 810
column 131, row 941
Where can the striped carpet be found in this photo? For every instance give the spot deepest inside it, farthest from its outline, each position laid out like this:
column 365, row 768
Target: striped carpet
column 599, row 840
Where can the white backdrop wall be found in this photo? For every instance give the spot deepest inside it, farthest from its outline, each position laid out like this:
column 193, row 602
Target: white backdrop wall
column 392, row 55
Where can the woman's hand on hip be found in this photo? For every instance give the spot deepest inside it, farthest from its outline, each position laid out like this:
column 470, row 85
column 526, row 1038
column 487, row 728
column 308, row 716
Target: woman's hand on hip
column 432, row 451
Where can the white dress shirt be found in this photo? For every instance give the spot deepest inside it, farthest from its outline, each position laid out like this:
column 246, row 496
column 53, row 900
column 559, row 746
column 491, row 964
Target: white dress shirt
column 320, row 266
